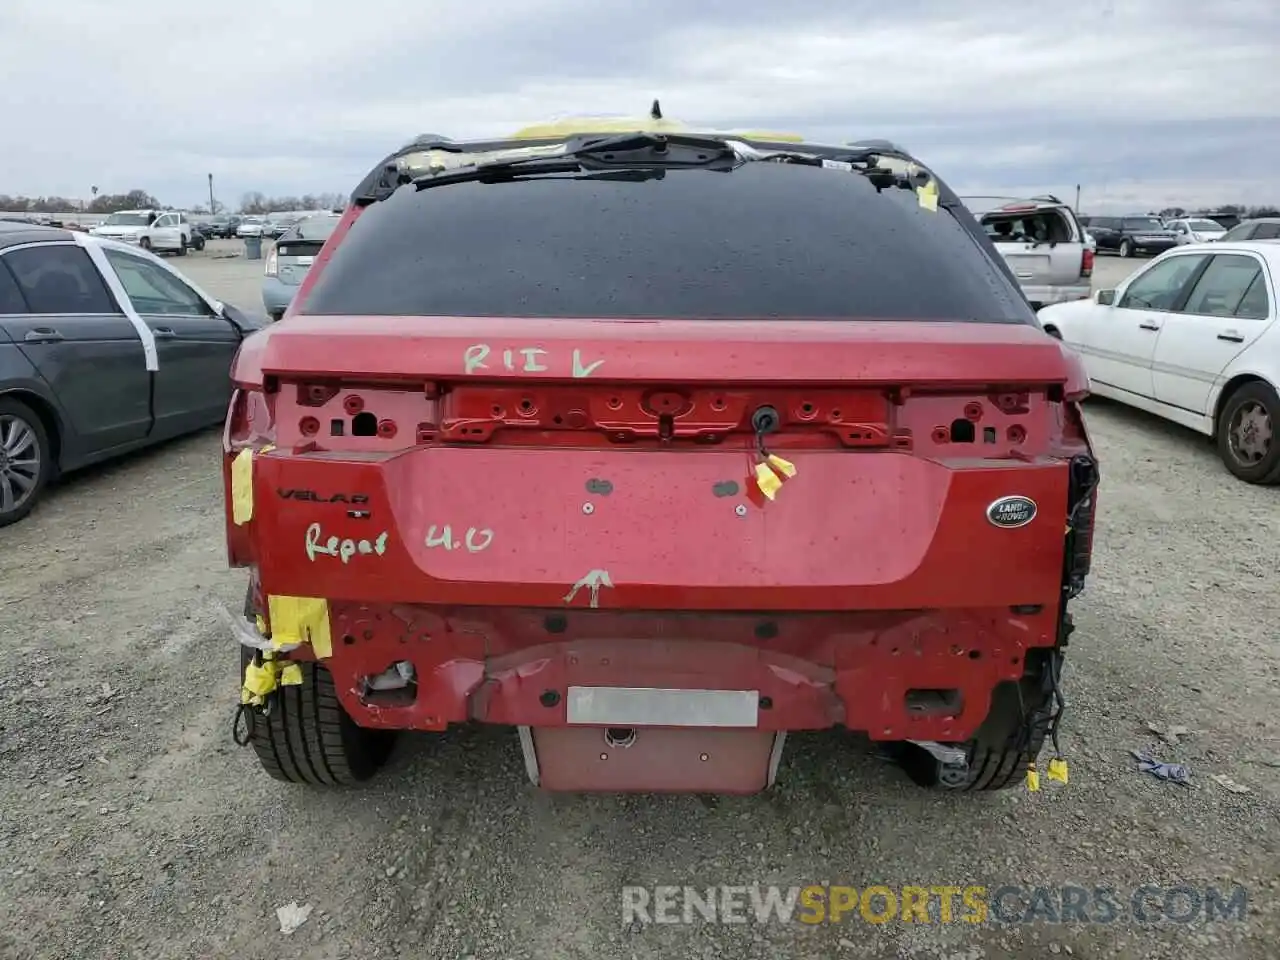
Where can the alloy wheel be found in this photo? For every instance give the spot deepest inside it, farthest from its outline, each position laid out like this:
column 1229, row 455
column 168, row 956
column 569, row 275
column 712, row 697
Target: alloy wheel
column 19, row 462
column 1249, row 434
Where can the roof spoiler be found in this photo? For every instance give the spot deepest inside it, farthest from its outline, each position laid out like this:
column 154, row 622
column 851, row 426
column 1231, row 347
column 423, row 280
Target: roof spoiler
column 1039, row 198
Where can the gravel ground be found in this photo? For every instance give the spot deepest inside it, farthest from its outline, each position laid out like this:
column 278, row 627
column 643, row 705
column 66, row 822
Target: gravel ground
column 130, row 825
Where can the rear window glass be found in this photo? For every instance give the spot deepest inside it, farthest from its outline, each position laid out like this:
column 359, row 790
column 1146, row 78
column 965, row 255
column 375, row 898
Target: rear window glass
column 59, row 278
column 1142, row 223
column 314, row 228
column 1046, row 226
column 766, row 240
column 11, row 299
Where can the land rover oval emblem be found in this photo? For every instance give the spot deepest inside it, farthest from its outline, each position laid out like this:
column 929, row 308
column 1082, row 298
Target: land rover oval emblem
column 1012, row 511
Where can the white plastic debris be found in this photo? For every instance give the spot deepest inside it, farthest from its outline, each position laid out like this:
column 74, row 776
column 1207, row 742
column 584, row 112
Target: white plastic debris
column 1226, row 782
column 245, row 632
column 292, row 916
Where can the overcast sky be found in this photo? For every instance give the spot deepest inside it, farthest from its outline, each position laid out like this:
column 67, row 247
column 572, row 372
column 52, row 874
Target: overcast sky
column 1145, row 103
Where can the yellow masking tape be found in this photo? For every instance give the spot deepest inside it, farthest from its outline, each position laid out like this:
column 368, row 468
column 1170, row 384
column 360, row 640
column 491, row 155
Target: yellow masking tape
column 784, row 467
column 767, row 480
column 259, row 680
column 928, row 195
column 291, row 675
column 1058, row 770
column 301, row 620
column 1033, row 779
column 242, row 487
column 577, row 125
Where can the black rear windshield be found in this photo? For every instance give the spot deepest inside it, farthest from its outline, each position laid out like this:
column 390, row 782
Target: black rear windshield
column 765, row 240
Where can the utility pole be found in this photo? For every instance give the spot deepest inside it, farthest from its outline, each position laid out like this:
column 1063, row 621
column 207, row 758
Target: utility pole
column 213, row 210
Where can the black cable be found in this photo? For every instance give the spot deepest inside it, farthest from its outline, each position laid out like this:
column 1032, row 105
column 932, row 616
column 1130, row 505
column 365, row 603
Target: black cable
column 1061, row 703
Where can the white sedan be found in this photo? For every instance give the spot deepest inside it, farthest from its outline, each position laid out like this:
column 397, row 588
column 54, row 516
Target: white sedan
column 1196, row 230
column 251, row 227
column 1191, row 337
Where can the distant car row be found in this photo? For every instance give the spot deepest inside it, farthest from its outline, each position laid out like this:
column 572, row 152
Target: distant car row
column 1128, row 236
column 244, row 227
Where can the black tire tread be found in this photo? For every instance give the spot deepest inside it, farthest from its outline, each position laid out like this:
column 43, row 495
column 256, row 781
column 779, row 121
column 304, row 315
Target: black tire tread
column 308, row 737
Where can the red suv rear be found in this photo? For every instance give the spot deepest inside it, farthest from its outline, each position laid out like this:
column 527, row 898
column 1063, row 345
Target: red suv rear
column 656, row 450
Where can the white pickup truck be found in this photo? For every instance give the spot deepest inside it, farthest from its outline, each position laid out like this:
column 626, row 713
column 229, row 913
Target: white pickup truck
column 157, row 230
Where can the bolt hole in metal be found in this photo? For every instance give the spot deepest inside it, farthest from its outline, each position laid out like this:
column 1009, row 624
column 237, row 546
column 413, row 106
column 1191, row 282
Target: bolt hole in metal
column 19, row 462
column 619, row 738
column 588, row 508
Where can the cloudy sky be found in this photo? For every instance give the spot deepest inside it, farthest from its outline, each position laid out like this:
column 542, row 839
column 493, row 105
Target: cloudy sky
column 1144, row 103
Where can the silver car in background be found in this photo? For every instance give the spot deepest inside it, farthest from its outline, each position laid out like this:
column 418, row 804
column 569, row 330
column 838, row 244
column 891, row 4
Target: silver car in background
column 251, row 227
column 1044, row 244
column 1195, row 230
column 291, row 258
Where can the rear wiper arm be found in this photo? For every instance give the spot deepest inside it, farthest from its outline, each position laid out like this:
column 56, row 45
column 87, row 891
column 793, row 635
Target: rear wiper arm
column 623, row 151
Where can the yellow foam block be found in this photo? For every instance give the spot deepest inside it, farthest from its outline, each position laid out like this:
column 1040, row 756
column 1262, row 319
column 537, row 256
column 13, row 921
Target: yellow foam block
column 301, row 620
column 767, row 480
column 291, row 675
column 242, row 487
column 1058, row 770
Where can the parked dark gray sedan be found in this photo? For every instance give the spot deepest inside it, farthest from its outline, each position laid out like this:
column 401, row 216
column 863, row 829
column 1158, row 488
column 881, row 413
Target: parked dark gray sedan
column 104, row 349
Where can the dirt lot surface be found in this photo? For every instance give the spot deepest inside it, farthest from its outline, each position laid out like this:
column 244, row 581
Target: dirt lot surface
column 131, row 826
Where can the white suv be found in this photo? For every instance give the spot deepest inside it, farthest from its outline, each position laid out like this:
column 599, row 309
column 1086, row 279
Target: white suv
column 1045, row 246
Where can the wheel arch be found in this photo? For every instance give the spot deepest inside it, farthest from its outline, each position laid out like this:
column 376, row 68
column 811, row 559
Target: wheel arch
column 47, row 413
column 1230, row 387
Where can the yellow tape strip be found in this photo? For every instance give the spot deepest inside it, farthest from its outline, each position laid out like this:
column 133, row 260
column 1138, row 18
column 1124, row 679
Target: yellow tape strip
column 767, row 480
column 784, row 467
column 301, row 620
column 242, row 487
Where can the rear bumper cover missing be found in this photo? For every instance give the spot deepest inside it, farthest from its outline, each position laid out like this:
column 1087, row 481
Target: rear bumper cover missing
column 517, row 667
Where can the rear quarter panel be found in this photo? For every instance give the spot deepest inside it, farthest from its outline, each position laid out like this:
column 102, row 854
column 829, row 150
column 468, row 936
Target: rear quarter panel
column 20, row 380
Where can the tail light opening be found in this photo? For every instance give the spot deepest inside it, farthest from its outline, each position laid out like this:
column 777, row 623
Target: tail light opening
column 272, row 267
column 1086, row 263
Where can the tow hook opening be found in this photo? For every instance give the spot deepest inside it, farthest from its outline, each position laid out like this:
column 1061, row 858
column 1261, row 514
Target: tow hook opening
column 619, row 738
column 934, row 703
column 397, row 686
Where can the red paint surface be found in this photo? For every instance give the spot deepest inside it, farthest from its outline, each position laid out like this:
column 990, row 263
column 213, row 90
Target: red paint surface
column 873, row 572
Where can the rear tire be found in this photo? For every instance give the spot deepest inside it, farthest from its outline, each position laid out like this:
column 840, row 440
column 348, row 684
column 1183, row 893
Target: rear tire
column 145, row 243
column 999, row 752
column 24, row 428
column 309, row 738
column 1247, row 425
column 182, row 247
column 1126, row 249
